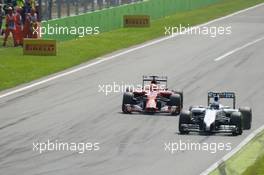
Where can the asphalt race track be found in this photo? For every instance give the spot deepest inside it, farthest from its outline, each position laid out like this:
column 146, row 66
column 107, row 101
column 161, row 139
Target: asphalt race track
column 70, row 109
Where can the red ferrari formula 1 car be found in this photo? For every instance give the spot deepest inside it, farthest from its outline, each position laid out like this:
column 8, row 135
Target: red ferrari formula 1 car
column 153, row 97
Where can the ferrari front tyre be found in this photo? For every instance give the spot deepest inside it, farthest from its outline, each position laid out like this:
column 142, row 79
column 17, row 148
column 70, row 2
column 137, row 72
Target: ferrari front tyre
column 175, row 100
column 127, row 99
column 185, row 118
column 247, row 117
column 236, row 119
column 181, row 94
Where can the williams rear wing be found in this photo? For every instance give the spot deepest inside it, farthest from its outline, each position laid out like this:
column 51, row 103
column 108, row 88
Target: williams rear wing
column 223, row 95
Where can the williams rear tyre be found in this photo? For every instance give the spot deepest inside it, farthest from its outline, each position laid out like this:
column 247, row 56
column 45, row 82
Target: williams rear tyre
column 247, row 117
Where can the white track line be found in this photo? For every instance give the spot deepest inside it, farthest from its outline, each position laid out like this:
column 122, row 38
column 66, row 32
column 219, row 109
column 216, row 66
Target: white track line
column 117, row 55
column 234, row 151
column 238, row 49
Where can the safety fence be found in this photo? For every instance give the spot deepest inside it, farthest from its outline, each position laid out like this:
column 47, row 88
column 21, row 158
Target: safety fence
column 112, row 18
column 50, row 9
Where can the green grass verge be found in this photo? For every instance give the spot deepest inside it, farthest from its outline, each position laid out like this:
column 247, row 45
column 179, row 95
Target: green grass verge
column 257, row 168
column 248, row 161
column 16, row 69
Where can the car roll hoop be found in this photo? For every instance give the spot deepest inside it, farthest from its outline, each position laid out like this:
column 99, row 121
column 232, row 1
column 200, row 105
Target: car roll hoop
column 223, row 95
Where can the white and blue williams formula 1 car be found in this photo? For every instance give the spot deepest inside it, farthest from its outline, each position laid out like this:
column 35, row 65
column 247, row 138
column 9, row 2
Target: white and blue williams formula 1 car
column 216, row 118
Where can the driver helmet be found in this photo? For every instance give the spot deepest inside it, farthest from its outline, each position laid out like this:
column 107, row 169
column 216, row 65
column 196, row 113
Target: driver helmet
column 153, row 82
column 216, row 99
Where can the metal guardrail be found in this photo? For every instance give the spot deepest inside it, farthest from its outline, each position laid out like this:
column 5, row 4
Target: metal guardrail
column 112, row 18
column 50, row 9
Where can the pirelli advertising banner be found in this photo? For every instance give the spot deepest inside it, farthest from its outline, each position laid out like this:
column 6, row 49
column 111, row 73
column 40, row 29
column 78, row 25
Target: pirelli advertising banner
column 39, row 47
column 136, row 21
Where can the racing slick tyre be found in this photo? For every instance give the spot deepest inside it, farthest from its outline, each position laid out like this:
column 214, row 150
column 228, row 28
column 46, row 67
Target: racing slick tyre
column 236, row 119
column 127, row 99
column 185, row 118
column 175, row 100
column 181, row 94
column 247, row 117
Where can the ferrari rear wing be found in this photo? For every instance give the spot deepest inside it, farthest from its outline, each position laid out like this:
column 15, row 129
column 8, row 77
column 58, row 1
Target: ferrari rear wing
column 225, row 95
column 153, row 78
